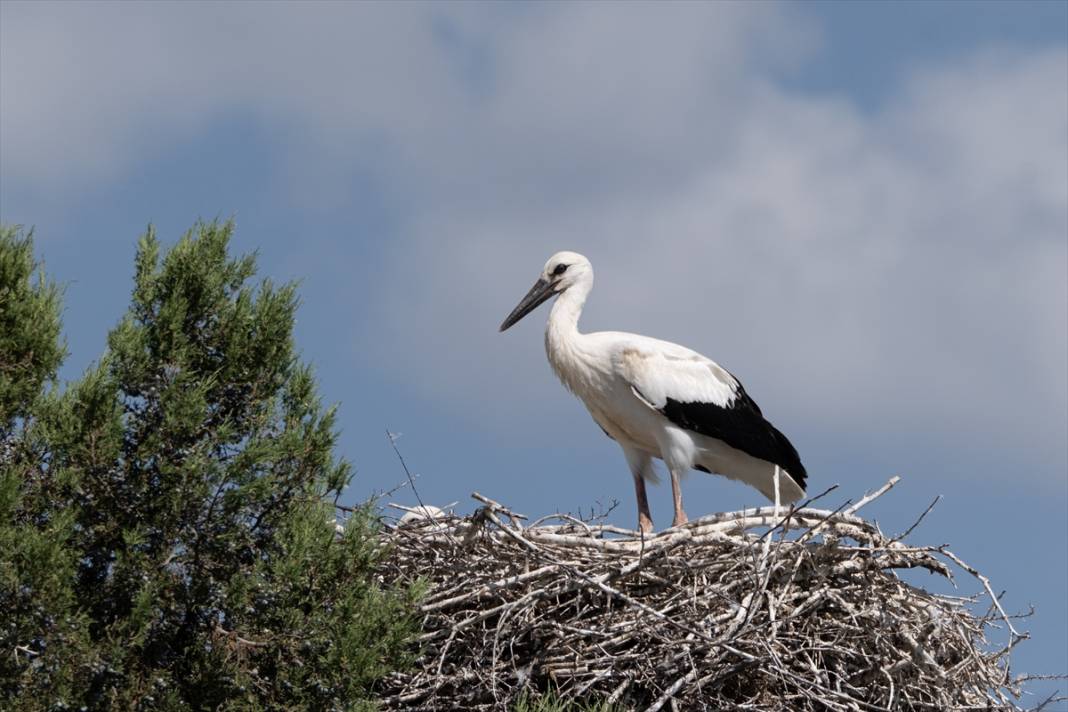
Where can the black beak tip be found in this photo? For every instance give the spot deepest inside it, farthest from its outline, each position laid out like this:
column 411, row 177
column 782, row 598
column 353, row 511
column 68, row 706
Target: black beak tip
column 541, row 291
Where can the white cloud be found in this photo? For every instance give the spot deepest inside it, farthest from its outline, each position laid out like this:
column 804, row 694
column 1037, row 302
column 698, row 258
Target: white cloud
column 904, row 269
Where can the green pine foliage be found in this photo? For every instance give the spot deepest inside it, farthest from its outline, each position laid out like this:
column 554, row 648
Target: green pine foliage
column 30, row 350
column 165, row 522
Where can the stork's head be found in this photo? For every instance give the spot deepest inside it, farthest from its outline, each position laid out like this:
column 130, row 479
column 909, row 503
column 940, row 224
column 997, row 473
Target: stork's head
column 563, row 271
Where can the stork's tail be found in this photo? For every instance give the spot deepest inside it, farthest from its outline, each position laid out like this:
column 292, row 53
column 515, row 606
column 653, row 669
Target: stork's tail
column 757, row 473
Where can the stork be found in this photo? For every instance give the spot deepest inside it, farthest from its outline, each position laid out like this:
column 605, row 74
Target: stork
column 658, row 399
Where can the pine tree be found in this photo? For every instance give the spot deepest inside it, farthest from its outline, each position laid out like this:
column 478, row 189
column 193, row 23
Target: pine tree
column 166, row 539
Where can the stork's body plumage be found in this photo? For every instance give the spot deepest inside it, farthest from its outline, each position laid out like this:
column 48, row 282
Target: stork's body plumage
column 658, row 399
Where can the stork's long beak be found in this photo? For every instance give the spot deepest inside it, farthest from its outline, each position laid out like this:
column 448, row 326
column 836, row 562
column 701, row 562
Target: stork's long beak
column 541, row 291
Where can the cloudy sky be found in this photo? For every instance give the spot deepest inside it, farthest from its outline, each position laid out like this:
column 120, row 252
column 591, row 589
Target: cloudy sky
column 860, row 209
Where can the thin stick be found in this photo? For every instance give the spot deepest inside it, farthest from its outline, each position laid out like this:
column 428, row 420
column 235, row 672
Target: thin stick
column 915, row 524
column 871, row 496
column 986, row 584
column 668, row 693
column 392, row 437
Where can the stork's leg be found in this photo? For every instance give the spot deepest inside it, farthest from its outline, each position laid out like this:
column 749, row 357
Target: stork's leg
column 640, row 464
column 645, row 519
column 679, row 452
column 676, row 492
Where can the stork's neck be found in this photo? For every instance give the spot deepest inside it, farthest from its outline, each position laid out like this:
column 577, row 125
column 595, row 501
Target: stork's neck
column 563, row 319
column 563, row 342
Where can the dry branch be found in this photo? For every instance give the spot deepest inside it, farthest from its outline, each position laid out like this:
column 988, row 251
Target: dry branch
column 758, row 609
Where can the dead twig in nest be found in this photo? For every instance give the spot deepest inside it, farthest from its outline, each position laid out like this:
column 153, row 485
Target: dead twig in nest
column 703, row 616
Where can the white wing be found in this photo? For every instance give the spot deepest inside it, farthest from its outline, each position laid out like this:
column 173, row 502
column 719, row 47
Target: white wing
column 699, row 395
column 659, row 370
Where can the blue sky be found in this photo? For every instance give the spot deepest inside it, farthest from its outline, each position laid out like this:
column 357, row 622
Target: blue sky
column 861, row 209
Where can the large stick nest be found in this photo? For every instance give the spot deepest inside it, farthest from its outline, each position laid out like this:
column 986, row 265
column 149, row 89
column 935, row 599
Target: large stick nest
column 753, row 610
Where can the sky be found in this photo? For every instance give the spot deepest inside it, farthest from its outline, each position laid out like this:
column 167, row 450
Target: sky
column 860, row 209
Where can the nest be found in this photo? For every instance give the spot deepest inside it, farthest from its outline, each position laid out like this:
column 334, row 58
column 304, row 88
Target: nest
column 762, row 609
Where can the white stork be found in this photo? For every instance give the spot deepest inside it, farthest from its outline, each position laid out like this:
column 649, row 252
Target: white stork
column 659, row 399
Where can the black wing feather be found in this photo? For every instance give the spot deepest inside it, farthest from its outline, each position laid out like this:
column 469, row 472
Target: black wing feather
column 742, row 426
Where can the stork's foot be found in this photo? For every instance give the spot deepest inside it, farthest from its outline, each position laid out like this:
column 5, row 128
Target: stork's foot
column 680, row 518
column 645, row 523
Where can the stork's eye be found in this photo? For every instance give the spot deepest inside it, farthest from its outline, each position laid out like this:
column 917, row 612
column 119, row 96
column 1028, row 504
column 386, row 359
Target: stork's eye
column 560, row 269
